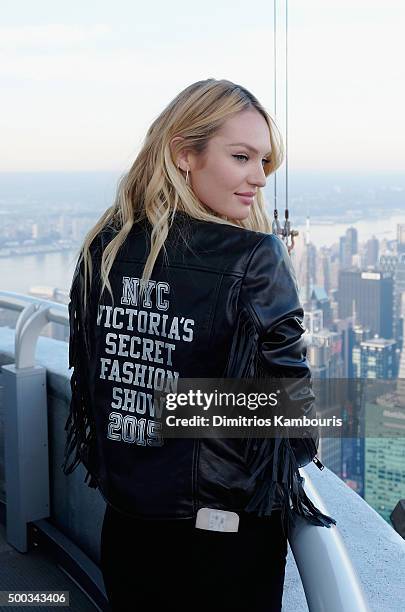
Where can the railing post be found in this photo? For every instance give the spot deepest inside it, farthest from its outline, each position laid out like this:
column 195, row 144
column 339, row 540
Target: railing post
column 26, row 431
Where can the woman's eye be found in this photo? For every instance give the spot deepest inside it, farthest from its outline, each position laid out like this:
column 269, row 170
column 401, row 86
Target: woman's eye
column 266, row 161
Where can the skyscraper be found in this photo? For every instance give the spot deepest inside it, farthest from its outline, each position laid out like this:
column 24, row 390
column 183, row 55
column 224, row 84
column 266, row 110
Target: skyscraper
column 395, row 264
column 371, row 252
column 399, row 300
column 385, row 475
column 375, row 303
column 351, row 240
column 375, row 358
column 401, row 238
column 348, row 290
column 371, row 293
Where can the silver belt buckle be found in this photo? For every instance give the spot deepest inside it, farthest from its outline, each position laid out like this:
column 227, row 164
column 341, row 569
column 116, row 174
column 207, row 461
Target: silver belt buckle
column 212, row 519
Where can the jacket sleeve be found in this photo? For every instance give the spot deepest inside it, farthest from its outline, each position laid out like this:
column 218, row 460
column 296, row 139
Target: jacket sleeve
column 270, row 293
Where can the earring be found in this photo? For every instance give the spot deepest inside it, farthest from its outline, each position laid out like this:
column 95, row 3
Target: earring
column 186, row 174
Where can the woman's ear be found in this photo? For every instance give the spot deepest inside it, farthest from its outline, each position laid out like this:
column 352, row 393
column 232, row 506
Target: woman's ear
column 180, row 160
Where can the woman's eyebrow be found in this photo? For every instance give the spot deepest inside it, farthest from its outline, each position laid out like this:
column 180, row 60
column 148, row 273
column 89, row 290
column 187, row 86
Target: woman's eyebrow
column 244, row 144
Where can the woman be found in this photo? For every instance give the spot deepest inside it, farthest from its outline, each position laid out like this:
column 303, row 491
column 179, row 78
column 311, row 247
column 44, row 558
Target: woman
column 198, row 287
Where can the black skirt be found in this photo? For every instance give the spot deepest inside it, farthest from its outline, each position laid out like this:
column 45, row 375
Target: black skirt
column 172, row 565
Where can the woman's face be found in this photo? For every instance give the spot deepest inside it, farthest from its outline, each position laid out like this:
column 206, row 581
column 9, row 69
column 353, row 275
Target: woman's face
column 228, row 167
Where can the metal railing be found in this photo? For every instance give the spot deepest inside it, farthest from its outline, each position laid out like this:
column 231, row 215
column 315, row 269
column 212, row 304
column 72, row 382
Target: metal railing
column 329, row 579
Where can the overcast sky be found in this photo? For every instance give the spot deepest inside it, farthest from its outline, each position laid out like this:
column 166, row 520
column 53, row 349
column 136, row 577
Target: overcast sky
column 82, row 81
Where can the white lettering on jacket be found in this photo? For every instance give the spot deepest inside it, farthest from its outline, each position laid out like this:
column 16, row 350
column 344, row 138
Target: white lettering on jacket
column 139, row 358
column 131, row 290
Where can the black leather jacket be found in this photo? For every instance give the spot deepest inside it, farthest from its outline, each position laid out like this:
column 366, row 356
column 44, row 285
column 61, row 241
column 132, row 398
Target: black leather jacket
column 223, row 300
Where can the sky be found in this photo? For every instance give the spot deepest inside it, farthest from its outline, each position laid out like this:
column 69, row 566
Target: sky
column 82, row 81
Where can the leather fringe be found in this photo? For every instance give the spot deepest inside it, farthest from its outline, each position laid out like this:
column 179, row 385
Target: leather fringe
column 80, row 439
column 271, row 461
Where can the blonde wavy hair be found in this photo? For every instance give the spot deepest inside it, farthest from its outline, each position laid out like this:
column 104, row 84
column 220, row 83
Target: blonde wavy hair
column 155, row 188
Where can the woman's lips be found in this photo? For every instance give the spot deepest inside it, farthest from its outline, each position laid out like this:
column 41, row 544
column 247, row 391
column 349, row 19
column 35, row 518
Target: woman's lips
column 245, row 199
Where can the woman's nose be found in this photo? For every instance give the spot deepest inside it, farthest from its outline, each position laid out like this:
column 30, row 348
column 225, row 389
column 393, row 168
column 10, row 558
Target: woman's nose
column 258, row 178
